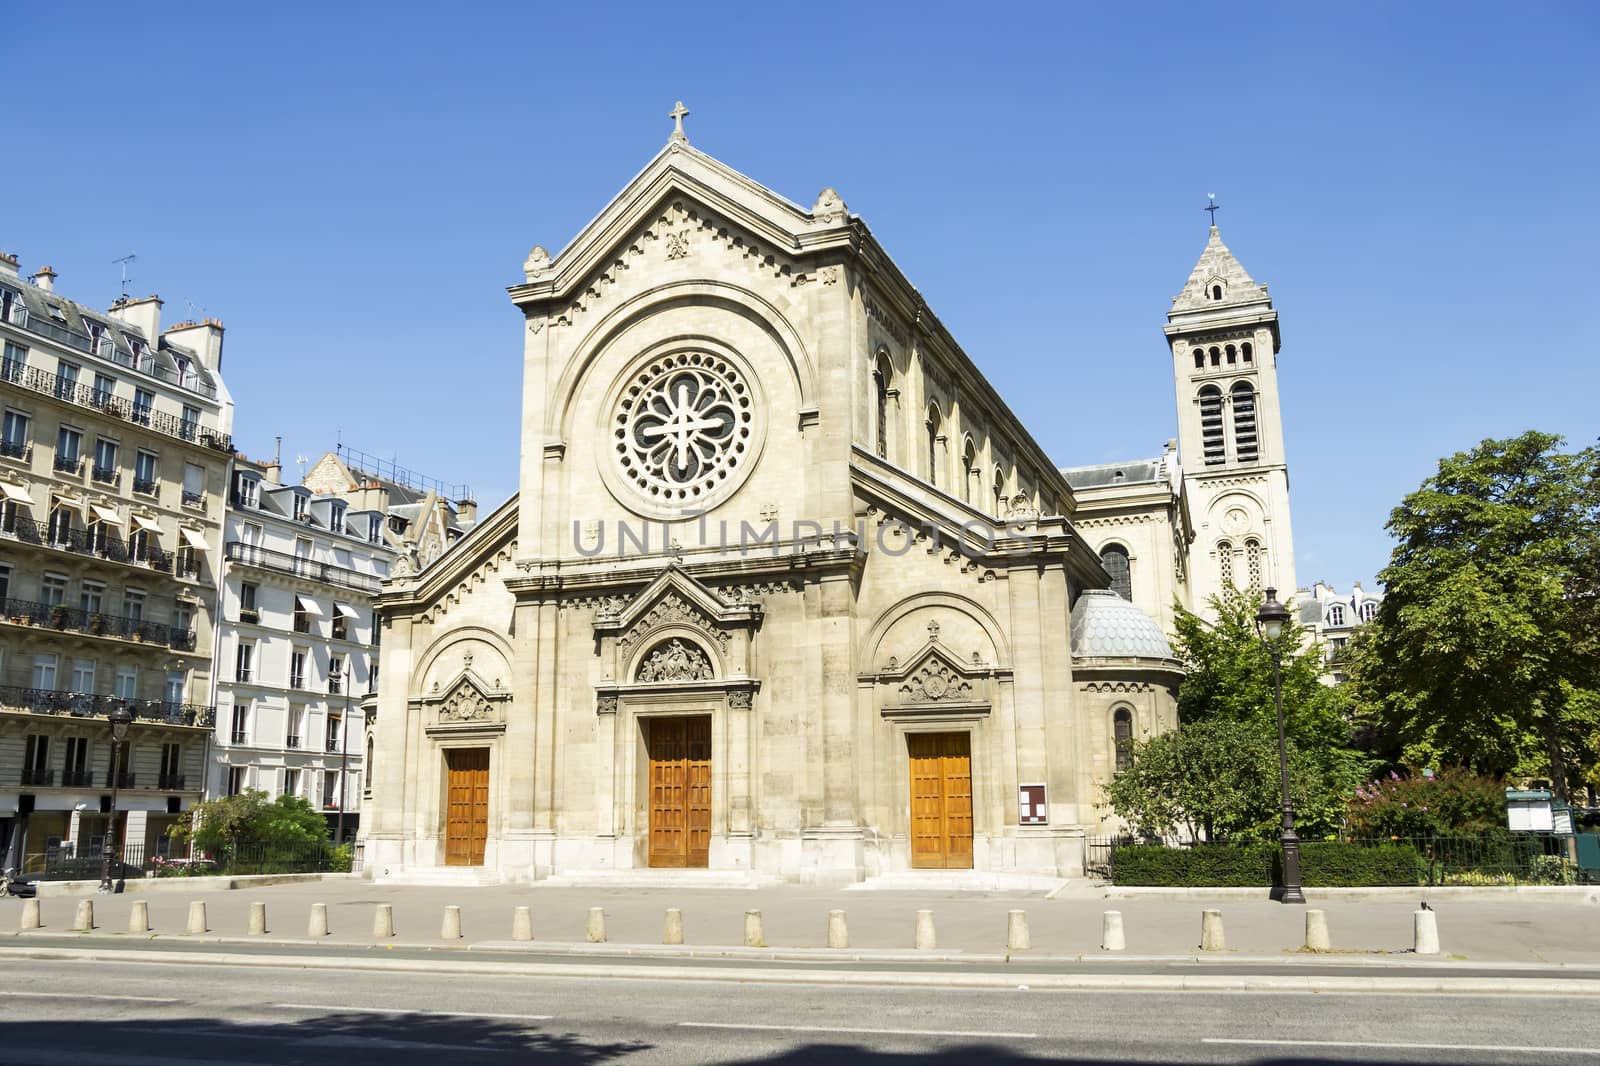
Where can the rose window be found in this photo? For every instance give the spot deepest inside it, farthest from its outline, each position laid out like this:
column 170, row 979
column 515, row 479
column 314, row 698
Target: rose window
column 683, row 426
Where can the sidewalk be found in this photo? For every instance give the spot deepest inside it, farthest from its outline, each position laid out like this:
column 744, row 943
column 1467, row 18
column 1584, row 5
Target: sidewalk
column 1532, row 931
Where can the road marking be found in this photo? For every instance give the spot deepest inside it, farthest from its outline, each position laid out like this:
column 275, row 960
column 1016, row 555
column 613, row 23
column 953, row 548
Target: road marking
column 1380, row 1045
column 324, row 1007
column 867, row 1032
column 84, row 995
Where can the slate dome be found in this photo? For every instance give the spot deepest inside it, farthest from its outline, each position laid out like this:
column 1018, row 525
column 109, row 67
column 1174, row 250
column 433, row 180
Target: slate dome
column 1104, row 625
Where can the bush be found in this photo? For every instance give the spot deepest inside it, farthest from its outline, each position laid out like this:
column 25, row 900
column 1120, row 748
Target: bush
column 1323, row 864
column 1451, row 803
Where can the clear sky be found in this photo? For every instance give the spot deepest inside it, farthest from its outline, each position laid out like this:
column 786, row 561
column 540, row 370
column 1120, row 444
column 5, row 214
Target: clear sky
column 351, row 187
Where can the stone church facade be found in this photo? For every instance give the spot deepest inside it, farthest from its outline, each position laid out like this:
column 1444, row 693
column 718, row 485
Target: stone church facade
column 787, row 591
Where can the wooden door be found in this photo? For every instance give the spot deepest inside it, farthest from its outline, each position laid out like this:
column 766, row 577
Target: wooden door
column 680, row 790
column 941, row 800
column 466, row 806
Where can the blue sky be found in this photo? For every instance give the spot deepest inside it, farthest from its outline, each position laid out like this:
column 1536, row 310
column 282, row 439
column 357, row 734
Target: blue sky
column 351, row 187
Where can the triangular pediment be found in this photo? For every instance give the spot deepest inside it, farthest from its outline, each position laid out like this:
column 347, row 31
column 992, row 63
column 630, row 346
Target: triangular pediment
column 468, row 686
column 675, row 593
column 934, row 676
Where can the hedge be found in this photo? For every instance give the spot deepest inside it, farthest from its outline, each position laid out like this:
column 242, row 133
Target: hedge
column 1323, row 864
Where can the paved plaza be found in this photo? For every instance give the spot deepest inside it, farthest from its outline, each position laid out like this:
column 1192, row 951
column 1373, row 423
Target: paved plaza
column 1529, row 930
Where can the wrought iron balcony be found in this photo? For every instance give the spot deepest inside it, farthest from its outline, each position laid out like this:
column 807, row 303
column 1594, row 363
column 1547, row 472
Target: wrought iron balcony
column 77, row 779
column 144, row 486
column 68, row 464
column 170, row 782
column 38, row 776
column 96, row 624
column 292, row 740
column 106, row 475
column 31, row 377
column 240, row 736
column 16, row 449
column 143, row 363
column 310, row 569
column 122, row 780
column 101, row 543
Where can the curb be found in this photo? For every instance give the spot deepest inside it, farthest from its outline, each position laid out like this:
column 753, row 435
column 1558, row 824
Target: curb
column 1473, row 894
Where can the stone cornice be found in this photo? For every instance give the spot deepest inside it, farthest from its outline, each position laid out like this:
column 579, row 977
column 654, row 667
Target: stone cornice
column 539, row 579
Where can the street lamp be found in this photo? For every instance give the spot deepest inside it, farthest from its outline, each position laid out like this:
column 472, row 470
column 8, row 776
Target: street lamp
column 120, row 720
column 344, row 755
column 1270, row 620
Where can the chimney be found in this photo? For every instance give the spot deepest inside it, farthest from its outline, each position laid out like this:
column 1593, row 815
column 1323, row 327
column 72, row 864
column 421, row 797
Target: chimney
column 204, row 338
column 143, row 315
column 46, row 278
column 8, row 264
column 275, row 468
column 466, row 513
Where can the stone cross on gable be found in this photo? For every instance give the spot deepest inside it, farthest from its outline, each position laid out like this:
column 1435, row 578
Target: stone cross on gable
column 677, row 115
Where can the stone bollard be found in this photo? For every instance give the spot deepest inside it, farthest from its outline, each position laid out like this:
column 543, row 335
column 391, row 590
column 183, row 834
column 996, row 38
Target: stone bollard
column 838, row 932
column 522, row 924
column 197, row 917
column 383, row 921
column 30, row 915
column 451, row 927
column 597, row 925
column 83, row 921
column 1016, row 930
column 1425, row 932
column 258, row 919
column 1317, row 938
column 1211, row 931
column 139, row 917
column 672, row 931
column 925, row 939
column 318, row 926
column 1111, row 938
column 754, row 937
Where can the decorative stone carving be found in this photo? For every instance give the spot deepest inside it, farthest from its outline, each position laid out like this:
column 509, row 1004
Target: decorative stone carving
column 465, row 704
column 432, row 547
column 739, row 699
column 538, row 262
column 829, row 207
column 672, row 609
column 675, row 660
column 606, row 705
column 684, row 425
column 935, row 682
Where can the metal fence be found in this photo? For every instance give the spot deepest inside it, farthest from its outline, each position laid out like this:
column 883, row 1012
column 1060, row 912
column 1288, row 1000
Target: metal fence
column 133, row 860
column 1489, row 859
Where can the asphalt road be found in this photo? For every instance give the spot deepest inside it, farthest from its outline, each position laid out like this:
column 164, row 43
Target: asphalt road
column 55, row 1013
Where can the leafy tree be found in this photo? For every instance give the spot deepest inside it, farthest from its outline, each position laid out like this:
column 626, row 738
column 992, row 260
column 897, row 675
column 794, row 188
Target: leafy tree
column 251, row 818
column 1217, row 781
column 1454, row 801
column 1484, row 650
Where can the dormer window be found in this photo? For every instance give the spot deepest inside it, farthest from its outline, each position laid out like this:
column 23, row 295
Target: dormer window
column 57, row 313
column 374, row 529
column 336, row 517
column 300, row 514
column 15, row 311
column 1367, row 611
column 1216, row 292
column 1336, row 615
column 247, row 491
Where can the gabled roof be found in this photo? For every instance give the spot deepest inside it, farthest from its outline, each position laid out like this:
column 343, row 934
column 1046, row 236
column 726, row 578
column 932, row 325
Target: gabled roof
column 1218, row 264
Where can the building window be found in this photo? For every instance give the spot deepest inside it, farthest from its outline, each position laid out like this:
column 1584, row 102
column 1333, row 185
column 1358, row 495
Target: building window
column 880, row 406
column 66, row 382
column 244, row 661
column 998, row 489
column 335, row 730
column 83, row 671
column 144, row 473
column 53, row 590
column 297, row 668
column 1225, row 563
column 303, row 610
column 133, row 604
column 1211, row 432
column 291, row 782
column 1336, row 615
column 1367, row 611
column 1114, row 557
column 330, row 789
column 341, row 624
column 934, row 422
column 1122, row 738
column 335, row 674
column 969, row 471
column 374, row 528
column 1253, row 563
column 14, row 440
column 236, row 780
column 127, row 684
column 336, row 517
column 194, row 484
column 36, row 761
column 1247, row 352
column 75, row 773
column 144, row 401
column 248, row 611
column 1245, row 447
column 5, row 583
column 190, row 424
column 1216, row 292
column 299, row 506
column 44, row 673
column 171, row 766
column 92, row 597
column 241, row 723
column 15, row 310
column 69, row 450
column 1199, row 358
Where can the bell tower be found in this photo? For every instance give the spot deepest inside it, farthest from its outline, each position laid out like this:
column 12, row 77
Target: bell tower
column 1223, row 335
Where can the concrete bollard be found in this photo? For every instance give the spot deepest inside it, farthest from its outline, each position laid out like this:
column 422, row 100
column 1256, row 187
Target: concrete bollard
column 450, row 929
column 1016, row 930
column 597, row 925
column 139, row 917
column 197, row 917
column 383, row 921
column 838, row 932
column 925, row 939
column 754, row 936
column 30, row 915
column 258, row 919
column 1111, row 938
column 522, row 924
column 672, row 931
column 1317, row 938
column 318, row 926
column 1425, row 932
column 1211, row 938
column 83, row 921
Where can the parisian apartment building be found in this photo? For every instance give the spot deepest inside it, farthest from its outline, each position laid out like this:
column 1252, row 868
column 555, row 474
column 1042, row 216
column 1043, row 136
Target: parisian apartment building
column 114, row 463
column 297, row 669
column 1331, row 618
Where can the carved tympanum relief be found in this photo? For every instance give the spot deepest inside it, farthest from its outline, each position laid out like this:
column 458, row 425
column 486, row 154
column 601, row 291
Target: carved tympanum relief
column 465, row 704
column 935, row 682
column 672, row 609
column 675, row 660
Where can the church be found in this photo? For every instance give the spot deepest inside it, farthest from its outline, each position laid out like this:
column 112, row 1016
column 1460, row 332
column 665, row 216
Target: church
column 787, row 591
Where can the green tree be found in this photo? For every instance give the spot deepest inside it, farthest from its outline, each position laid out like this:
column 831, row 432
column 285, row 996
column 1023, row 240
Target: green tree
column 251, row 818
column 1483, row 652
column 1217, row 781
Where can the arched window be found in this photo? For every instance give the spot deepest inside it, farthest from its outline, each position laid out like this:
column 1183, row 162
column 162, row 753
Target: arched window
column 969, row 471
column 1336, row 615
column 1225, row 563
column 1245, row 448
column 1216, row 356
column 1368, row 611
column 1122, row 737
column 1216, row 292
column 999, row 490
column 1233, row 353
column 369, row 757
column 880, row 409
column 1114, row 557
column 1247, row 351
column 1211, row 442
column 933, row 443
column 1253, row 564
column 1199, row 358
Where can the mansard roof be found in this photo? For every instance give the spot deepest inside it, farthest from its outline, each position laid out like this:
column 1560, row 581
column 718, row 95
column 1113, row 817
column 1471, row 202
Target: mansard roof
column 1132, row 472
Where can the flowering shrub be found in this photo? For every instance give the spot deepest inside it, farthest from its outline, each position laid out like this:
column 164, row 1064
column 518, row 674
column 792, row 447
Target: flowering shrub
column 1453, row 802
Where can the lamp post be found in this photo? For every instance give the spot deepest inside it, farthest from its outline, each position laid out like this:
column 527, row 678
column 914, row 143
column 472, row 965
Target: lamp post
column 1270, row 620
column 120, row 720
column 344, row 755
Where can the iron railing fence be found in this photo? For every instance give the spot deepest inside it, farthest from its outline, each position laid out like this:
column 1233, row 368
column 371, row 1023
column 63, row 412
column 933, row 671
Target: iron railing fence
column 95, row 623
column 144, row 362
column 37, row 380
column 100, row 543
column 1487, row 859
column 167, row 859
column 325, row 573
column 90, row 705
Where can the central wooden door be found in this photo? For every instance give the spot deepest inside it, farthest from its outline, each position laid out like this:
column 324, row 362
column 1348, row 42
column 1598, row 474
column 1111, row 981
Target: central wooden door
column 466, row 806
column 941, row 800
column 680, row 790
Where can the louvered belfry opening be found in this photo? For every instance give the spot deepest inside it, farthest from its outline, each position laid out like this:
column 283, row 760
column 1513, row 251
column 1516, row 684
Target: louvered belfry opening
column 1244, row 423
column 1211, row 435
